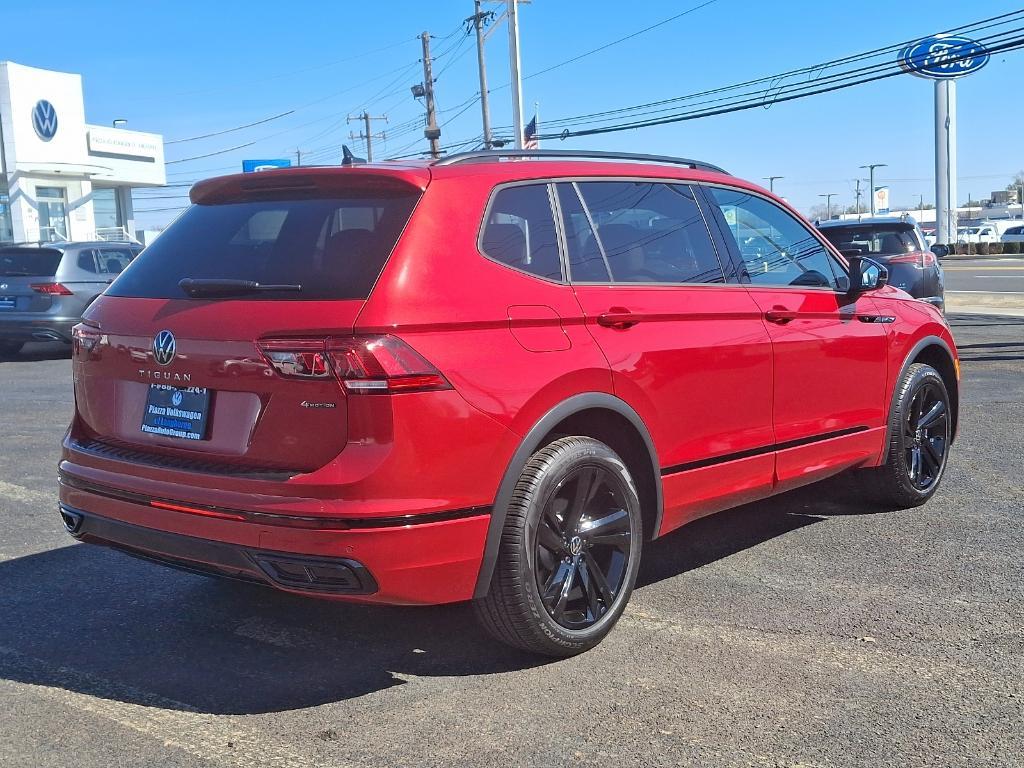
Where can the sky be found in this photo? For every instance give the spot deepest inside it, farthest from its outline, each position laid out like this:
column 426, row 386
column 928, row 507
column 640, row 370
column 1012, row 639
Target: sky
column 187, row 68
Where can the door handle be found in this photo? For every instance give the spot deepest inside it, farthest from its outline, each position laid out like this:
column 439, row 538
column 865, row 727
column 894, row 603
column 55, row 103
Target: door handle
column 618, row 318
column 779, row 316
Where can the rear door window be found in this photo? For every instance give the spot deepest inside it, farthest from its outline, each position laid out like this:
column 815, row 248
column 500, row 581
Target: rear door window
column 520, row 231
column 87, row 261
column 114, row 260
column 647, row 232
column 334, row 248
column 29, row 262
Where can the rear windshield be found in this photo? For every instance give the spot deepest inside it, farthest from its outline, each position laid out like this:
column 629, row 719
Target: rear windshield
column 884, row 240
column 334, row 248
column 29, row 262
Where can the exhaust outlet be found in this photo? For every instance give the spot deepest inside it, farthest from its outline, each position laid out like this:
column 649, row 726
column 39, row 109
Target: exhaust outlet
column 72, row 520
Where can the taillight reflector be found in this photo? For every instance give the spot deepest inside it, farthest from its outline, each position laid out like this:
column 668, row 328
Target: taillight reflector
column 51, row 289
column 363, row 364
column 195, row 510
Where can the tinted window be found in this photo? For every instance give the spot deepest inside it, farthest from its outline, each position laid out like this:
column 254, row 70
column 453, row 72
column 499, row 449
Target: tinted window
column 586, row 258
column 651, row 232
column 333, row 248
column 114, row 260
column 776, row 248
column 29, row 262
column 883, row 240
column 520, row 231
column 87, row 260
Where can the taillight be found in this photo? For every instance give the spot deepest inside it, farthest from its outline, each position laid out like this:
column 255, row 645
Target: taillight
column 84, row 338
column 922, row 259
column 363, row 364
column 51, row 289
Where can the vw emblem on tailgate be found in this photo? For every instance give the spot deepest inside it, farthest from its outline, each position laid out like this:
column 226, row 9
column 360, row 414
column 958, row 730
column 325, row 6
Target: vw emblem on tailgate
column 163, row 348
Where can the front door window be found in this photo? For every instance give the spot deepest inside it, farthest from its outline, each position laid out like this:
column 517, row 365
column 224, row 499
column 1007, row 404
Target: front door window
column 53, row 213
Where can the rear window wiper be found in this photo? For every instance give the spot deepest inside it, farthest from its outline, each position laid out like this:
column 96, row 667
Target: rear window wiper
column 207, row 287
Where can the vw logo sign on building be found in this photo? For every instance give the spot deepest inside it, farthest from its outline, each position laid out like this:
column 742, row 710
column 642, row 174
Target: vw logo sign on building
column 942, row 57
column 163, row 348
column 44, row 120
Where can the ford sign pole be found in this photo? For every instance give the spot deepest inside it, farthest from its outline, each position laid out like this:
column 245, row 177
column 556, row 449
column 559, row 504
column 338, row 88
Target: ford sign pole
column 944, row 58
column 945, row 161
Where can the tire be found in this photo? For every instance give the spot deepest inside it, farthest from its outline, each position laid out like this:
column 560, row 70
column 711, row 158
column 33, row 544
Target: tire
column 920, row 431
column 551, row 540
column 10, row 348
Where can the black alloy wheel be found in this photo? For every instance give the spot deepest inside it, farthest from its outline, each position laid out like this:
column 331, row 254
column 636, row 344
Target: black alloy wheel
column 582, row 547
column 926, row 430
column 569, row 551
column 920, row 433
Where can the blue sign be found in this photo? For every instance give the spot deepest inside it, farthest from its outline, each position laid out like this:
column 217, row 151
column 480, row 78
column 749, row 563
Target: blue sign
column 44, row 120
column 253, row 166
column 943, row 57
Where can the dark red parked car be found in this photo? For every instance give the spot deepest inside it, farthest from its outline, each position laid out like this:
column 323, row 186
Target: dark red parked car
column 489, row 378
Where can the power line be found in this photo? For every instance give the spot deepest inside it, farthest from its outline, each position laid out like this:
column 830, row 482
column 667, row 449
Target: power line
column 768, row 97
column 232, row 130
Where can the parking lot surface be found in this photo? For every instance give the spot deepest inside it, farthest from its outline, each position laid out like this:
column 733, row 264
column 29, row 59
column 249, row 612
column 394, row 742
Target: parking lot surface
column 811, row 630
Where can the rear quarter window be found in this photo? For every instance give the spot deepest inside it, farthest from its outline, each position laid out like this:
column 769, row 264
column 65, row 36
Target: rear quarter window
column 334, row 248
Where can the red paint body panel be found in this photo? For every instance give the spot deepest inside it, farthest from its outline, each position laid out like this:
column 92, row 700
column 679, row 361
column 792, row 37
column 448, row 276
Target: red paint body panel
column 735, row 405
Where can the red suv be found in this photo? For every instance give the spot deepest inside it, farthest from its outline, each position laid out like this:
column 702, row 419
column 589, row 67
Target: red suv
column 489, row 378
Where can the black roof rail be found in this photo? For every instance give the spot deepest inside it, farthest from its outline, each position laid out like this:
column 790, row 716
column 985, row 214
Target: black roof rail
column 582, row 154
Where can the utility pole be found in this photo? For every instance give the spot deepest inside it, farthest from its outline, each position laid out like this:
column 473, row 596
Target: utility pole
column 857, row 193
column 517, row 83
column 298, row 157
column 478, row 22
column 871, row 182
column 432, row 132
column 771, row 181
column 828, row 204
column 365, row 133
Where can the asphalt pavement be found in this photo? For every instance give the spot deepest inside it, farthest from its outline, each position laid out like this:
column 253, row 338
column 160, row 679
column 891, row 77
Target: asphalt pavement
column 993, row 274
column 808, row 630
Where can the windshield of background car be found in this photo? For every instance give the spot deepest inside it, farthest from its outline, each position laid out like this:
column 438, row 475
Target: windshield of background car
column 29, row 262
column 334, row 248
column 884, row 240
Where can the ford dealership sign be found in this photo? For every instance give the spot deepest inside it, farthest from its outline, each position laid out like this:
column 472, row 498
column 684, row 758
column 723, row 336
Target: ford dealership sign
column 942, row 57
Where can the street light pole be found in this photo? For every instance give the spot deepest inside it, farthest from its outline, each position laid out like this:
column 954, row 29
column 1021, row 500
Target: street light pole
column 517, row 83
column 771, row 181
column 828, row 204
column 871, row 175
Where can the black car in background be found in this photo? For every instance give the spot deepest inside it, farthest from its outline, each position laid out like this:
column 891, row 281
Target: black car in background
column 897, row 244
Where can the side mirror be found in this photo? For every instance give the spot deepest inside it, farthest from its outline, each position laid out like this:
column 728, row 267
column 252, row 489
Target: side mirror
column 866, row 275
column 940, row 251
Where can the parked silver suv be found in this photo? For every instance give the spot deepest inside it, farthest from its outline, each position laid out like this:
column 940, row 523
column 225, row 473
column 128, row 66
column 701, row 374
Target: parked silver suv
column 45, row 288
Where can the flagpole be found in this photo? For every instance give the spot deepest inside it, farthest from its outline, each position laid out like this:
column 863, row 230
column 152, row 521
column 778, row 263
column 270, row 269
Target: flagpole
column 536, row 116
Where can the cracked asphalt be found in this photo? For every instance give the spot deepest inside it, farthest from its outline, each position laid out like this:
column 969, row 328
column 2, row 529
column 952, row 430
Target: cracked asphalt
column 808, row 630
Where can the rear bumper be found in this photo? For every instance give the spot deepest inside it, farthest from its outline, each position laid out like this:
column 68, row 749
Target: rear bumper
column 433, row 562
column 41, row 327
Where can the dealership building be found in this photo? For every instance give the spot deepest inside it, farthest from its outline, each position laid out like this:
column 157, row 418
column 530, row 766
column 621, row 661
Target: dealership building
column 61, row 178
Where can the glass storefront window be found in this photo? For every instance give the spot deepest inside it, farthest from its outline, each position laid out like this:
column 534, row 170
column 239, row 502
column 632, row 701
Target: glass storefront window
column 106, row 212
column 6, row 225
column 53, row 213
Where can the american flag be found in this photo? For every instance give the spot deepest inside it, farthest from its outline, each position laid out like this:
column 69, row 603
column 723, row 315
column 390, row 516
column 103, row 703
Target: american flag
column 530, row 140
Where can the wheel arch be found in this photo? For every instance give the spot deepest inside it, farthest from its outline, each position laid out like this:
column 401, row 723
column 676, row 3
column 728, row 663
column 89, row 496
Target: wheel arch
column 936, row 352
column 594, row 414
